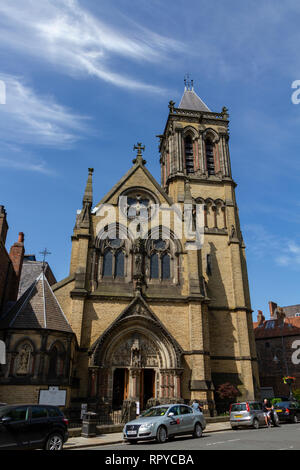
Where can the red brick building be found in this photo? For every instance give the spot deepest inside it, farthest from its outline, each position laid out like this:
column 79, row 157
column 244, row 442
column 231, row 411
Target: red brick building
column 278, row 347
column 10, row 264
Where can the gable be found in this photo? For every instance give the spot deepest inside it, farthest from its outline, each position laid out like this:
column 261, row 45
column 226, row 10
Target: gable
column 137, row 177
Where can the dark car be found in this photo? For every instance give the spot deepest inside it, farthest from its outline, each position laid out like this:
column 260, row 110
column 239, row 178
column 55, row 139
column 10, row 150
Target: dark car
column 288, row 411
column 32, row 427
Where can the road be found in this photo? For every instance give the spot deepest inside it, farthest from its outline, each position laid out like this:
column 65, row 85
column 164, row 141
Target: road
column 286, row 437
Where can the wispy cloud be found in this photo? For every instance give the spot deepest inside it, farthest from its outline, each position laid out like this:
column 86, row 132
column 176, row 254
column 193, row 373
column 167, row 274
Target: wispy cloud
column 16, row 158
column 67, row 35
column 264, row 244
column 31, row 118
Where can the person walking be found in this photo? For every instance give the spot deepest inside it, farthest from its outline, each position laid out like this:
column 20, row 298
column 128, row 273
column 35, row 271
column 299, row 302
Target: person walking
column 267, row 412
column 196, row 406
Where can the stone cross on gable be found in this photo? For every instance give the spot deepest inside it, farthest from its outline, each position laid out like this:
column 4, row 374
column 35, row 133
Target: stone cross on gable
column 139, row 147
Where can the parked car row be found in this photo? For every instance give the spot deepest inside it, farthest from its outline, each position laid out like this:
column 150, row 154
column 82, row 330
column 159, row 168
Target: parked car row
column 45, row 426
column 251, row 414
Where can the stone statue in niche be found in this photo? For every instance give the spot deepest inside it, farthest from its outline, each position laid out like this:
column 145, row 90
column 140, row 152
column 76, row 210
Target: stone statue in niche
column 136, row 353
column 23, row 360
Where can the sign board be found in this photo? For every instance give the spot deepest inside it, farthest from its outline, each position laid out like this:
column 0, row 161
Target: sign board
column 53, row 396
column 137, row 407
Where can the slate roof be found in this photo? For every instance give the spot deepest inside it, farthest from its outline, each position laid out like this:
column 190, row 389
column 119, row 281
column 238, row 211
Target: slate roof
column 37, row 308
column 30, row 271
column 291, row 310
column 190, row 100
column 274, row 328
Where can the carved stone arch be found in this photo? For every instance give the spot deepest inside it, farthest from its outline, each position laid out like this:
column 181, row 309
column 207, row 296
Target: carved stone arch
column 212, row 134
column 210, row 213
column 137, row 318
column 221, row 213
column 25, row 339
column 190, row 130
column 58, row 343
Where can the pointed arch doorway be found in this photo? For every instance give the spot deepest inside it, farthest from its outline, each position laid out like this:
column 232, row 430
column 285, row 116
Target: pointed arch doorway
column 145, row 387
column 136, row 358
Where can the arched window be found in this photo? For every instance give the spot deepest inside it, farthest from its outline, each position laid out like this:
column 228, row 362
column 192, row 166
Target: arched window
column 119, row 269
column 107, row 263
column 160, row 259
column 189, row 154
column 209, row 152
column 154, row 271
column 113, row 259
column 166, row 267
column 53, row 363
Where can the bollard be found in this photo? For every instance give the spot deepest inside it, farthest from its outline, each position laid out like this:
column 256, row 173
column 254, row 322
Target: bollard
column 89, row 424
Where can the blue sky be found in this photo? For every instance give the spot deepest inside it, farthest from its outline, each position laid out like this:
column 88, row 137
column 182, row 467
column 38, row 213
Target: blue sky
column 87, row 79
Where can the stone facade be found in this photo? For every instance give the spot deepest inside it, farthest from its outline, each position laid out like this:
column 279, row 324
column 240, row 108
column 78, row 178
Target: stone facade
column 158, row 320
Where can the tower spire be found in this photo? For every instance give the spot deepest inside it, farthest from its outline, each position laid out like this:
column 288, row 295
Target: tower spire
column 88, row 193
column 87, row 201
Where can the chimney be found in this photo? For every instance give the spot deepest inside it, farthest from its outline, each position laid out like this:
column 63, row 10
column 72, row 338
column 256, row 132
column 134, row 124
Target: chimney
column 3, row 224
column 260, row 317
column 280, row 314
column 16, row 255
column 272, row 307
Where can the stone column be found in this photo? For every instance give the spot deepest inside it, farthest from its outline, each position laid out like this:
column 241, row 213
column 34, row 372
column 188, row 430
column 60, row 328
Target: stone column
column 134, row 384
column 93, row 381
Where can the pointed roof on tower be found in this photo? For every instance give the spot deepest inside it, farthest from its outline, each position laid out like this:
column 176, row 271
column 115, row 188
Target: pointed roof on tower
column 190, row 99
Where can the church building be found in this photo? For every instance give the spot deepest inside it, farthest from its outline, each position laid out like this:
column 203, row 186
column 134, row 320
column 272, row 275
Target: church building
column 153, row 318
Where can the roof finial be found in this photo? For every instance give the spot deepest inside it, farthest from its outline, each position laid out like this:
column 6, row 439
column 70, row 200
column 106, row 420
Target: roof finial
column 139, row 158
column 44, row 253
column 187, row 82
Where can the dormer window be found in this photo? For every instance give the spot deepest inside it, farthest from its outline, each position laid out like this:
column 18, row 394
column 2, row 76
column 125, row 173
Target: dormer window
column 189, row 154
column 210, row 160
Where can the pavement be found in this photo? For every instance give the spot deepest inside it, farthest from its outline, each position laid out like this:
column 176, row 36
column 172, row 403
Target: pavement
column 117, row 437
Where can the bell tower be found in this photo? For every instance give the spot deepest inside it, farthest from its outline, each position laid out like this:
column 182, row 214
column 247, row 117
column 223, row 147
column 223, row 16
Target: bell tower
column 195, row 167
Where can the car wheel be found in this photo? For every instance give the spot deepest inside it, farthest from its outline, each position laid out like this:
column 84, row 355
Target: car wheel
column 54, row 442
column 197, row 430
column 161, row 435
column 255, row 423
column 132, row 441
column 234, row 428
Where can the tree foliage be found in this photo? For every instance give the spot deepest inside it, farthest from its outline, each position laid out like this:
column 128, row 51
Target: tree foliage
column 227, row 391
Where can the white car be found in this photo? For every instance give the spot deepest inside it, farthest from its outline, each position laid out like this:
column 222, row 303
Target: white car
column 165, row 422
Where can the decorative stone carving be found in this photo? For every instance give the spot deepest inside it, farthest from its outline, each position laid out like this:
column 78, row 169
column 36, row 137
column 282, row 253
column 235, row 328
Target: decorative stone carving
column 23, row 360
column 136, row 352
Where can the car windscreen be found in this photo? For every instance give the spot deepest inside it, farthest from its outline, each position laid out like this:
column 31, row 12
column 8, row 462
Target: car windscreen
column 282, row 404
column 161, row 411
column 238, row 407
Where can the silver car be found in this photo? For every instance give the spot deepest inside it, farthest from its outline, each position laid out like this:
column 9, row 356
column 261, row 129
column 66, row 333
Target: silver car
column 164, row 422
column 247, row 413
